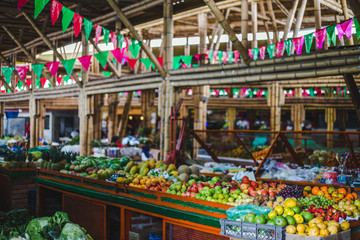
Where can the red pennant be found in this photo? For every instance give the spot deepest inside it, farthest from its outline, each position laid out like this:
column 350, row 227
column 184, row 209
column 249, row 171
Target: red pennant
column 77, row 20
column 113, row 36
column 125, row 59
column 161, row 61
column 236, row 56
column 132, row 63
column 118, row 54
column 2, row 84
column 22, row 71
column 28, row 82
column 43, row 81
column 98, row 31
column 85, row 62
column 184, row 65
column 21, row 3
column 105, row 67
column 53, row 67
column 16, row 82
column 55, row 11
column 59, row 79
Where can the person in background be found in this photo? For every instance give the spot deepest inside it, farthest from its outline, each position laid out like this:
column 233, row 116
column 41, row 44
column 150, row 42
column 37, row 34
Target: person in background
column 27, row 130
column 116, row 141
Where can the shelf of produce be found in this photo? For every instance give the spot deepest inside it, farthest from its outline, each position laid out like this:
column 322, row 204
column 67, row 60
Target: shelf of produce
column 178, row 211
column 17, row 187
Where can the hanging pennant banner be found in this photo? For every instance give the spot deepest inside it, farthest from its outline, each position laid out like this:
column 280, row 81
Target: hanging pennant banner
column 102, row 58
column 187, row 60
column 77, row 23
column 220, row 55
column 19, row 84
column 357, row 27
column 250, row 52
column 113, row 37
column 21, row 3
column 69, row 65
column 134, row 48
column 236, row 56
column 7, row 72
column 225, row 56
column 255, row 53
column 67, row 18
column 85, row 61
column 146, row 62
column 308, row 41
column 161, row 61
column 230, row 56
column 330, row 33
column 270, row 49
column 39, row 6
column 53, row 67
column 127, row 44
column 344, row 28
column 288, row 45
column 59, row 80
column 279, row 48
column 298, row 44
column 98, row 31
column 16, row 83
column 177, row 62
column 55, row 11
column 320, row 38
column 120, row 39
column 22, row 71
column 118, row 54
column 43, row 81
column 106, row 35
column 66, row 78
column 125, row 60
column 37, row 69
column 215, row 55
column 262, row 50
column 132, row 63
column 88, row 27
column 28, row 82
column 210, row 56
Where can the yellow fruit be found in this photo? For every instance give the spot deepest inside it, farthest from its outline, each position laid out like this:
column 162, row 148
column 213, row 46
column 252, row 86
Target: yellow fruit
column 314, row 231
column 333, row 222
column 279, row 210
column 290, row 203
column 298, row 218
column 321, row 225
column 344, row 226
column 301, row 233
column 272, row 214
column 324, row 232
column 315, row 220
column 312, row 224
column 291, row 229
column 333, row 229
column 301, row 228
column 306, row 228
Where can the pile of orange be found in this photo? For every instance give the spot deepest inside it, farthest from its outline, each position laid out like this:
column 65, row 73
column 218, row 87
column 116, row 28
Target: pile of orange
column 330, row 193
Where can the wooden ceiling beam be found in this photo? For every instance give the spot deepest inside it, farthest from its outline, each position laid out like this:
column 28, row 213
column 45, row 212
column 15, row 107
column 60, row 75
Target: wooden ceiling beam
column 266, row 24
column 355, row 6
column 282, row 7
column 273, row 18
column 300, row 17
column 290, row 19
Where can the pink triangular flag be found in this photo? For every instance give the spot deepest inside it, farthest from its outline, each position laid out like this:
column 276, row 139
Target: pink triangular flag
column 215, row 54
column 262, row 51
column 320, row 38
column 132, row 63
column 279, row 48
column 28, row 82
column 55, row 11
column 21, row 3
column 243, row 92
column 118, row 54
column 197, row 56
column 98, row 31
column 183, row 65
column 250, row 52
column 114, row 37
column 53, row 67
column 161, row 61
column 344, row 28
column 22, row 71
column 125, row 60
column 77, row 20
column 225, row 55
column 236, row 56
column 59, row 79
column 298, row 44
column 85, row 62
column 43, row 81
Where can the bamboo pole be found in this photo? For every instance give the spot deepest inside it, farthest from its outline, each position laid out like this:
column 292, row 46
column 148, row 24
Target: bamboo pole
column 244, row 22
column 346, row 16
column 282, row 8
column 2, row 114
column 273, row 19
column 49, row 44
column 126, row 22
column 300, row 17
column 254, row 18
column 6, row 84
column 83, row 121
column 355, row 6
column 266, row 24
column 290, row 19
column 226, row 26
column 125, row 116
column 354, row 92
column 317, row 13
column 221, row 31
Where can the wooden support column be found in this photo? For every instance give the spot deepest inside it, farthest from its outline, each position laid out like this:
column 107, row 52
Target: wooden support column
column 2, row 114
column 254, row 24
column 147, row 101
column 226, row 26
column 42, row 116
column 32, row 115
column 276, row 98
column 221, row 32
column 244, row 23
column 330, row 118
column 200, row 96
column 266, row 24
column 354, row 93
column 297, row 117
column 317, row 13
column 90, row 123
column 299, row 18
column 83, row 122
column 48, row 43
column 231, row 118
column 113, row 101
column 290, row 19
column 273, row 19
column 125, row 116
column 97, row 118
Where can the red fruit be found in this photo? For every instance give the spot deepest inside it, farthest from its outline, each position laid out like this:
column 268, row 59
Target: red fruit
column 253, row 194
column 244, row 186
column 343, row 215
column 254, row 184
column 265, row 185
column 251, row 189
column 273, row 185
column 272, row 194
column 330, row 207
column 192, row 194
column 189, row 189
column 328, row 218
column 232, row 189
column 264, row 192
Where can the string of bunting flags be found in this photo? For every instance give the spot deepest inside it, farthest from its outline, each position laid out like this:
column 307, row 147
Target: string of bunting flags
column 129, row 49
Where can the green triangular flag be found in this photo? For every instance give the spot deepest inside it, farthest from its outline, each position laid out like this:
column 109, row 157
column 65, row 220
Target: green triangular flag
column 69, row 65
column 177, row 62
column 230, row 56
column 288, row 45
column 211, row 54
column 20, row 85
column 88, row 27
column 255, row 53
column 308, row 41
column 106, row 74
column 357, row 27
column 39, row 6
column 134, row 48
column 330, row 32
column 120, row 40
column 37, row 69
column 102, row 58
column 106, row 35
column 67, row 18
column 7, row 73
column 187, row 60
column 147, row 62
column 66, row 78
column 220, row 55
column 270, row 49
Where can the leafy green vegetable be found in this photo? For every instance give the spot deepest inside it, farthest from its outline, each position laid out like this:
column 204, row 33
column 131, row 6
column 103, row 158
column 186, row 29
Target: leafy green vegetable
column 72, row 231
column 35, row 226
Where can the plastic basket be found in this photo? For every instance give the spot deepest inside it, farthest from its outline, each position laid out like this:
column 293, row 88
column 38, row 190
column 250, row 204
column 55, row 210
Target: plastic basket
column 244, row 230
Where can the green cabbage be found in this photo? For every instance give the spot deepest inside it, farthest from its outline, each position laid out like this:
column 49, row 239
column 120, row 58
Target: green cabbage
column 72, row 231
column 35, row 226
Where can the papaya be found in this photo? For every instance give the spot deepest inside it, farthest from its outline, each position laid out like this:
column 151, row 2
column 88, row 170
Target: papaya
column 134, row 170
column 129, row 165
column 152, row 163
column 171, row 168
column 145, row 165
column 144, row 171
